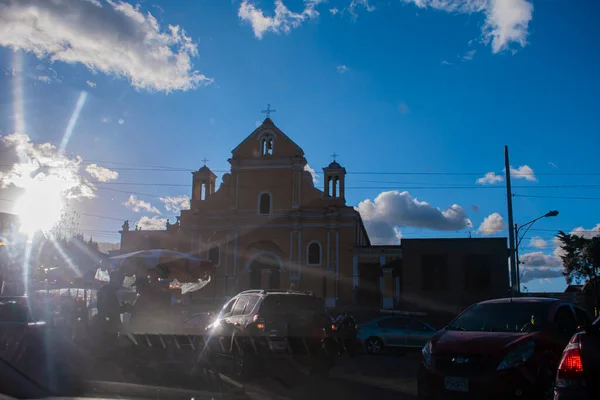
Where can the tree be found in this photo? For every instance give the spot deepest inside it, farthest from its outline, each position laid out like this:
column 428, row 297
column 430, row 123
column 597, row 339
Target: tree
column 581, row 261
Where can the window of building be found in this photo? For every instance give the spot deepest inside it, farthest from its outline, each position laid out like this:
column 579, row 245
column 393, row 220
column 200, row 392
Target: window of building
column 434, row 272
column 477, row 272
column 265, row 203
column 267, row 145
column 314, row 253
column 213, row 255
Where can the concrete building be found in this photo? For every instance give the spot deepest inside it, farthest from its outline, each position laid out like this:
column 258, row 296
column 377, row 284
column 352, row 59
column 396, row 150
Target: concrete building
column 268, row 226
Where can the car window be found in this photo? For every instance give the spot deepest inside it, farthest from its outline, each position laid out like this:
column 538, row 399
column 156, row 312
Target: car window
column 392, row 323
column 414, row 325
column 251, row 303
column 582, row 317
column 503, row 317
column 238, row 308
column 564, row 320
column 226, row 311
column 289, row 303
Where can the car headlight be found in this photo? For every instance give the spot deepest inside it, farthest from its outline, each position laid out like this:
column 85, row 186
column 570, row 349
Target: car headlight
column 518, row 355
column 427, row 355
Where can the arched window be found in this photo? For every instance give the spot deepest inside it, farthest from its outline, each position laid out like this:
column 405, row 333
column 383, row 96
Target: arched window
column 213, row 255
column 264, row 206
column 314, row 254
column 266, row 145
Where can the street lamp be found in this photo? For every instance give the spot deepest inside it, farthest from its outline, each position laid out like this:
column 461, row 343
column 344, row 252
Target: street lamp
column 551, row 213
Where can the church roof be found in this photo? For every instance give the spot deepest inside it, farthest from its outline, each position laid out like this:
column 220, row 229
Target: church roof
column 334, row 165
column 248, row 145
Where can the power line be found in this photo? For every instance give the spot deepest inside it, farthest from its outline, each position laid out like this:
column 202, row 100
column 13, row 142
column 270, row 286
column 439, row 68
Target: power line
column 558, row 197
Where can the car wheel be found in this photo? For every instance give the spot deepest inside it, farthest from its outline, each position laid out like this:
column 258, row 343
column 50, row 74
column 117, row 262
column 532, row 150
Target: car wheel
column 374, row 345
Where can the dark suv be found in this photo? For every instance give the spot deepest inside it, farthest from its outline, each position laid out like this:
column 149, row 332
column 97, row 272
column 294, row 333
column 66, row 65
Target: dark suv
column 258, row 325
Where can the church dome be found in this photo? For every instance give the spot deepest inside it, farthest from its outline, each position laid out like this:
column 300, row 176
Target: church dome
column 334, row 165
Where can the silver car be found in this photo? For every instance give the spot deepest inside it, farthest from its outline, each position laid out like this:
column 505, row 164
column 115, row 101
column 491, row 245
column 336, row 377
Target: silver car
column 394, row 331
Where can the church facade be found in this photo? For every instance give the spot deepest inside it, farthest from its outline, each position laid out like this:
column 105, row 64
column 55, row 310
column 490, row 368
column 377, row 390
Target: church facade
column 267, row 226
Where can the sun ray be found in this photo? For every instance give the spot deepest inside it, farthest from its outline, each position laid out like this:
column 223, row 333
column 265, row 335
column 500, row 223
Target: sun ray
column 72, row 121
column 65, row 257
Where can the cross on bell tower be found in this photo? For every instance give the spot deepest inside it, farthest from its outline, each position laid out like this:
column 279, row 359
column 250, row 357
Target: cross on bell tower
column 268, row 111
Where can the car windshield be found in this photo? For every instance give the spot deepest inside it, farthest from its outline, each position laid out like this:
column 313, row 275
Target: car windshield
column 502, row 317
column 291, row 303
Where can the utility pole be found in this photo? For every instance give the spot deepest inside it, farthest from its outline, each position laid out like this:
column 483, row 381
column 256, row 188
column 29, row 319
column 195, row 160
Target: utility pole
column 514, row 272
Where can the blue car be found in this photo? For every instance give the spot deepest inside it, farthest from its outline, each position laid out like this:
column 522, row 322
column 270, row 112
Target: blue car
column 394, row 332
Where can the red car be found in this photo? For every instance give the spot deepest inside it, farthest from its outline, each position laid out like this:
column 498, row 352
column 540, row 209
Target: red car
column 579, row 368
column 504, row 348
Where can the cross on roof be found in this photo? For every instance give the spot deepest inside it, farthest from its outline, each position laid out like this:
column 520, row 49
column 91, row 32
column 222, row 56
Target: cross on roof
column 334, row 156
column 204, row 160
column 268, row 111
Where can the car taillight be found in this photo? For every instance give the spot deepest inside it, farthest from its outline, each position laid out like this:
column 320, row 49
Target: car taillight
column 260, row 322
column 570, row 370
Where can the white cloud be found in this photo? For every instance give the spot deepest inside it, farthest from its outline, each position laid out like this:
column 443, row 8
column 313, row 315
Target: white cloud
column 283, row 21
column 506, row 21
column 445, row 62
column 315, row 176
column 334, row 11
column 44, row 78
column 491, row 224
column 393, row 209
column 105, row 120
column 468, row 56
column 41, row 168
column 176, row 203
column 552, row 164
column 116, row 39
column 101, row 173
column 121, row 121
column 342, row 69
column 138, row 205
column 363, row 3
column 523, row 172
column 152, row 223
column 537, row 265
column 538, row 242
column 490, row 178
column 91, row 84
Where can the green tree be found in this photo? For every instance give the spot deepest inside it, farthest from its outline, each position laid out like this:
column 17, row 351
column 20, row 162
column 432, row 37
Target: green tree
column 581, row 261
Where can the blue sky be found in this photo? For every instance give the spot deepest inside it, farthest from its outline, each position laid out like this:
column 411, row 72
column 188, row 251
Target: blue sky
column 416, row 96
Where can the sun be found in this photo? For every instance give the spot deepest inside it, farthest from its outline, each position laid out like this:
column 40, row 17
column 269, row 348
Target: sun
column 40, row 207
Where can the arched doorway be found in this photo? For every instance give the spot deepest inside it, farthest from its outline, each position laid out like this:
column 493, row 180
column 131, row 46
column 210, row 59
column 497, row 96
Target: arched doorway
column 264, row 272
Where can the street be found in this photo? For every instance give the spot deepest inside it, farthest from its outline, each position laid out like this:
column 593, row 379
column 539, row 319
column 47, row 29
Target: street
column 366, row 376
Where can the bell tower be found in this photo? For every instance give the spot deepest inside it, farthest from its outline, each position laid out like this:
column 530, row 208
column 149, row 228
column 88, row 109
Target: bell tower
column 204, row 182
column 334, row 179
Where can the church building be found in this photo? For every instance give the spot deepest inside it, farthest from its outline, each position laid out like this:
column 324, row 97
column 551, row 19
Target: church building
column 267, row 226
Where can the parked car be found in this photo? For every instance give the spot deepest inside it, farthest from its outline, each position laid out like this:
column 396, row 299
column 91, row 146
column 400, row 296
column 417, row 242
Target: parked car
column 394, row 332
column 504, row 348
column 260, row 324
column 579, row 368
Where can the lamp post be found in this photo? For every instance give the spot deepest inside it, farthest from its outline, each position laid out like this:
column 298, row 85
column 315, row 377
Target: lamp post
column 552, row 213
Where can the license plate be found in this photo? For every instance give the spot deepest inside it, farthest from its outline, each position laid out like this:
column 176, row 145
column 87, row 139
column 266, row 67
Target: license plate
column 278, row 346
column 456, row 384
